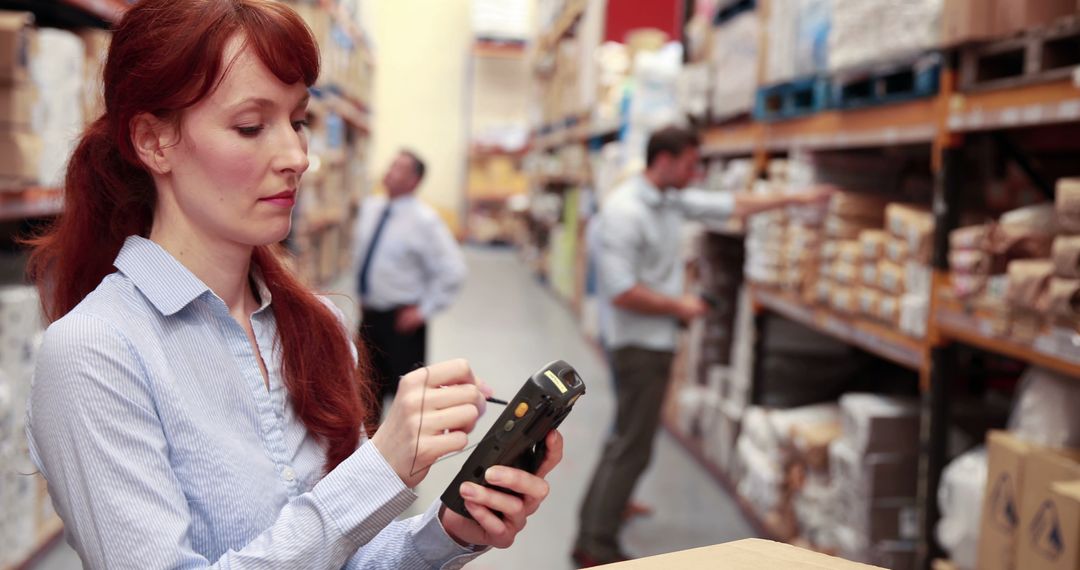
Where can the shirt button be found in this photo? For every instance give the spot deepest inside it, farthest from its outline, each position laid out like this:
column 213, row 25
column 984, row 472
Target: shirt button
column 288, row 474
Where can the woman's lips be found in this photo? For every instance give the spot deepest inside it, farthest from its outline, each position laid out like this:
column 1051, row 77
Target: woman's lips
column 284, row 199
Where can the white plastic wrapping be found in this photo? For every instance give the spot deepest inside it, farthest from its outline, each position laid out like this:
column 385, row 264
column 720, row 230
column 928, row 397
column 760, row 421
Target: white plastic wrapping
column 960, row 498
column 1046, row 409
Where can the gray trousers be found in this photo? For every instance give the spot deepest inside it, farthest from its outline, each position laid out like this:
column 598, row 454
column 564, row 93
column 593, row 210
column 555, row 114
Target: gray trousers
column 641, row 379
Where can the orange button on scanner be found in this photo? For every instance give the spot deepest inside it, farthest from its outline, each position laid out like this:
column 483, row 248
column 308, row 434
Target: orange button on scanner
column 521, row 410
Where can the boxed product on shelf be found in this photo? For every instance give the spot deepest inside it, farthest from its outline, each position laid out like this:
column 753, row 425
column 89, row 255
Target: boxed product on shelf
column 1029, row 280
column 891, row 278
column 1002, row 502
column 879, row 475
column 967, row 20
column 970, row 238
column 843, row 299
column 1026, row 232
column 18, row 39
column 876, row 422
column 1067, row 204
column 1065, row 496
column 1063, row 299
column 889, row 309
column 20, row 155
column 914, row 315
column 1041, row 545
column 1011, row 17
column 17, row 103
column 915, row 226
column 1066, row 255
column 873, row 244
column 896, row 250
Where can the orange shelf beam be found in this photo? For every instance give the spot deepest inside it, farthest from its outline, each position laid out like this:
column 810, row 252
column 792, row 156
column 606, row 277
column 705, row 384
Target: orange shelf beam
column 1031, row 105
column 872, row 337
column 955, row 323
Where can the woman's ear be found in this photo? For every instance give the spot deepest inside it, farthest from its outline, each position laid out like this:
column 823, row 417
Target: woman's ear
column 151, row 137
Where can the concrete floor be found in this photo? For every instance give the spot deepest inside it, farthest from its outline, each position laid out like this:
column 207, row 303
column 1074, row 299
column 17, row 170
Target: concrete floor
column 508, row 326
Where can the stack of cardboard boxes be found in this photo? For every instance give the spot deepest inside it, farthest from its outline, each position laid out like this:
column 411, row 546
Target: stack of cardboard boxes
column 20, row 146
column 1031, row 509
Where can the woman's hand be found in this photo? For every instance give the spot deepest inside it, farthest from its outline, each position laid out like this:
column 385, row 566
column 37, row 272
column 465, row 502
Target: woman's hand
column 482, row 502
column 435, row 409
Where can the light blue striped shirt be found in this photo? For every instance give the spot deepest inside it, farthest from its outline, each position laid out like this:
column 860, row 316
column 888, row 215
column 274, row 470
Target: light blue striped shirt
column 163, row 448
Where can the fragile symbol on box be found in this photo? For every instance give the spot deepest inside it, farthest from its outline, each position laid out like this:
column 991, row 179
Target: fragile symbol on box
column 1045, row 532
column 1003, row 504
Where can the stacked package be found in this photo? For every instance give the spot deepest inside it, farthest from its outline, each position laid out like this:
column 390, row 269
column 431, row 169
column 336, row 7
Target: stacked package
column 870, row 31
column 20, row 145
column 783, row 246
column 769, row 468
column 1064, row 290
column 873, row 472
column 734, row 65
column 841, row 277
column 20, row 493
column 907, row 271
column 1022, row 242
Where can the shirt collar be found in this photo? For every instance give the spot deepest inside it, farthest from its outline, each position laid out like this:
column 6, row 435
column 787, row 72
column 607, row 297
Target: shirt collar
column 165, row 282
column 649, row 193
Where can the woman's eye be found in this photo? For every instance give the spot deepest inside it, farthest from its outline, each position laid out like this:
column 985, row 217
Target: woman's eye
column 249, row 131
column 301, row 124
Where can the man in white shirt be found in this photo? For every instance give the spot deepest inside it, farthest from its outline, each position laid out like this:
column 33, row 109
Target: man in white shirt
column 409, row 268
column 637, row 242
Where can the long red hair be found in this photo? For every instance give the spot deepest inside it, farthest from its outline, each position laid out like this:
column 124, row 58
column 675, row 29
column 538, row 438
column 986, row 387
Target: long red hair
column 166, row 55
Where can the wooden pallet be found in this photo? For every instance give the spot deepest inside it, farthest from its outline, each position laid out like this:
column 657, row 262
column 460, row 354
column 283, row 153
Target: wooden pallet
column 1036, row 56
column 792, row 99
column 899, row 81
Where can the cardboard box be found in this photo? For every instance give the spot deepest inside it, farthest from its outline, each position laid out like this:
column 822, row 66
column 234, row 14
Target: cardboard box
column 1042, row 544
column 17, row 105
column 1002, row 501
column 19, row 155
column 751, row 554
column 966, row 21
column 16, row 46
column 1066, row 500
column 1011, row 16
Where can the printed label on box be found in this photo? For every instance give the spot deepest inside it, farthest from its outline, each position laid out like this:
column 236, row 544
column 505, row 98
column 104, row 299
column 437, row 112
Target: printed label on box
column 1045, row 532
column 1003, row 504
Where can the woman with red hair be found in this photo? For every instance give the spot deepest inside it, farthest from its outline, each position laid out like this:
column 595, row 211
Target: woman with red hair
column 193, row 404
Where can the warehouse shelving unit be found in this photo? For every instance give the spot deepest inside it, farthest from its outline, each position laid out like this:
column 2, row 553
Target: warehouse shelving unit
column 940, row 124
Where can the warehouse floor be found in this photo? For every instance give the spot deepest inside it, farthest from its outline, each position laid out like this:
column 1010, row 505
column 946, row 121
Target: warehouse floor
column 508, row 325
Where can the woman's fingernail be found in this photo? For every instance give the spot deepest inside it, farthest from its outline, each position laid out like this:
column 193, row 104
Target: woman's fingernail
column 467, row 490
column 493, row 475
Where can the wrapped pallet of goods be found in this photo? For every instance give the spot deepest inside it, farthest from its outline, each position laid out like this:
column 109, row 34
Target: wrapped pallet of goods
column 875, row 31
column 734, row 65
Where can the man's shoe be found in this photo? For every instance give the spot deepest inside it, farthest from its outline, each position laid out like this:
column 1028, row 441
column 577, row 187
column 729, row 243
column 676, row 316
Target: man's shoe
column 585, row 560
column 634, row 510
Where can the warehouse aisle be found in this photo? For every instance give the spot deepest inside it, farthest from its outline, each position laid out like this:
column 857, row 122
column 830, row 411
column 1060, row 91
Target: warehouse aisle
column 508, row 325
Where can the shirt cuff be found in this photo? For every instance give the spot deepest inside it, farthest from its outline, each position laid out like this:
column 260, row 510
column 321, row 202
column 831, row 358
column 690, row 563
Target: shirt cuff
column 437, row 547
column 363, row 494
